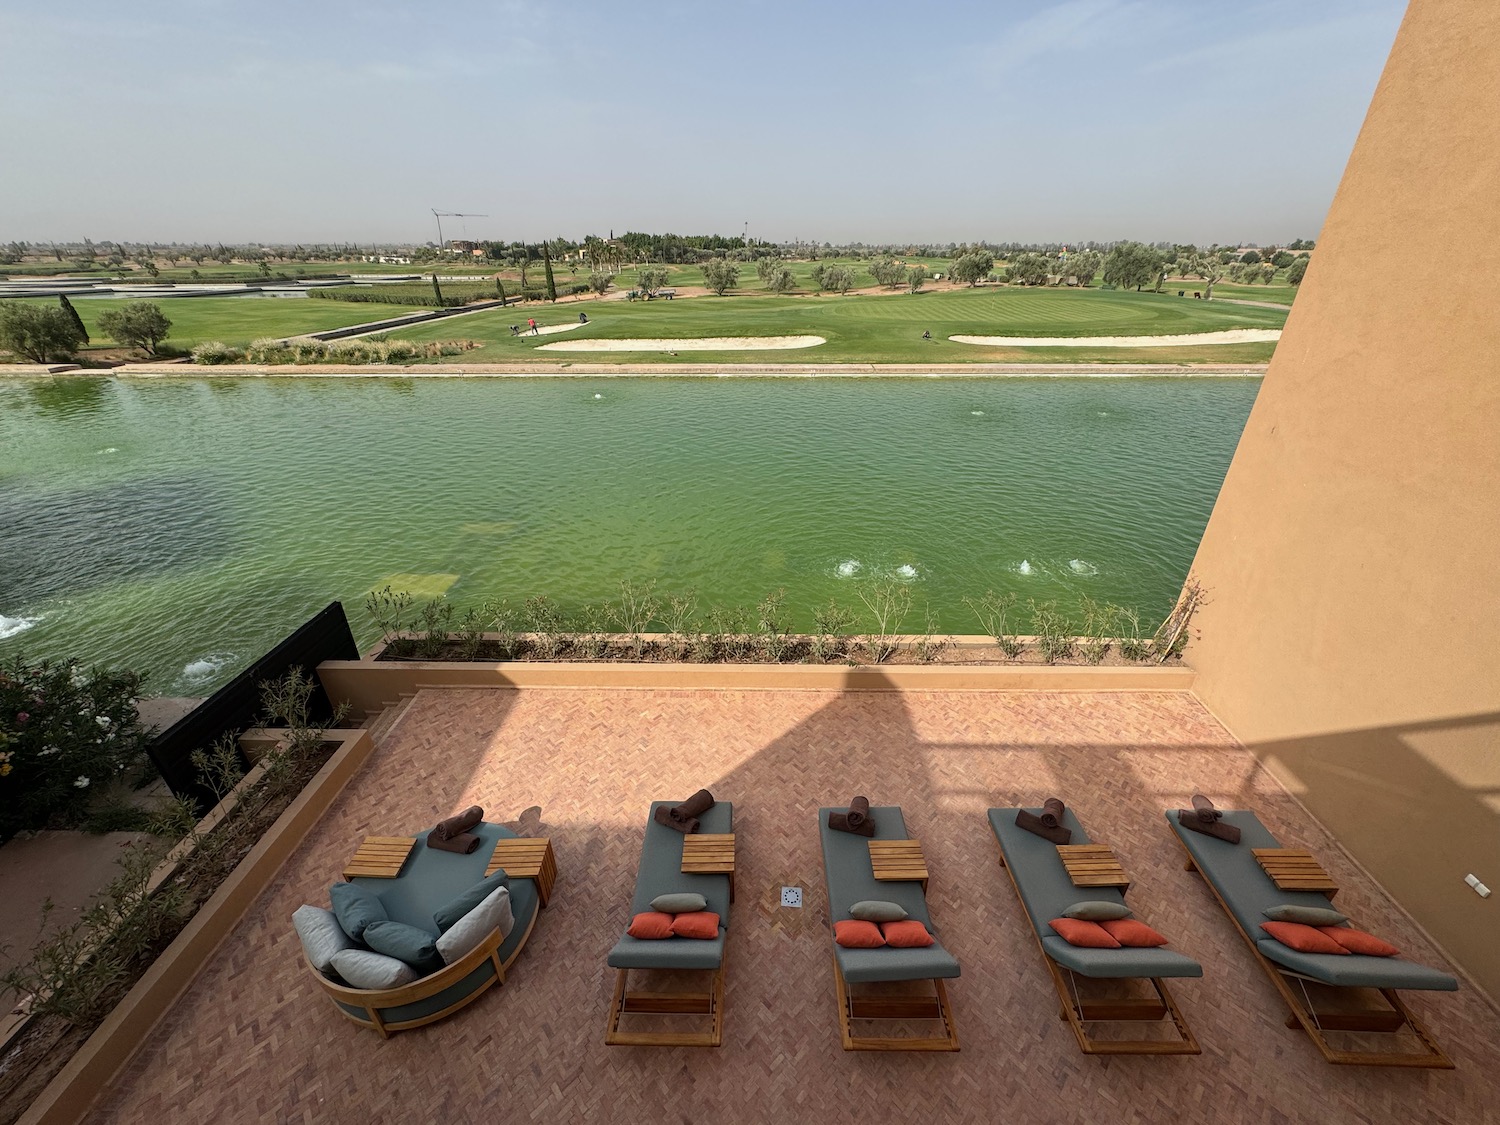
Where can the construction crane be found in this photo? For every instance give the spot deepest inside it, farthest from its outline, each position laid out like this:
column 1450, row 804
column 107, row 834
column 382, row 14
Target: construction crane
column 439, row 216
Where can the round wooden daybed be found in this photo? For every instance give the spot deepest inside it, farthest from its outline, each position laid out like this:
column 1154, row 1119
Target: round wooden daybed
column 429, row 879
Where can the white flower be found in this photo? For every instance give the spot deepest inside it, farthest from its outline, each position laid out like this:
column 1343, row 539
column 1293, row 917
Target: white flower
column 81, row 783
column 48, row 752
column 103, row 721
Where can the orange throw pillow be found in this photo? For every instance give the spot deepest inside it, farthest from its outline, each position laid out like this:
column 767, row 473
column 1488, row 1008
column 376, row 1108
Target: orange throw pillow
column 1357, row 941
column 1090, row 935
column 1304, row 939
column 1132, row 932
column 854, row 934
column 651, row 925
column 699, row 924
column 909, row 934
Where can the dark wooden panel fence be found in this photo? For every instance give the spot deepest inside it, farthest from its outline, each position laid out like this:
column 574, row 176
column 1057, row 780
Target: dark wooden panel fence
column 237, row 705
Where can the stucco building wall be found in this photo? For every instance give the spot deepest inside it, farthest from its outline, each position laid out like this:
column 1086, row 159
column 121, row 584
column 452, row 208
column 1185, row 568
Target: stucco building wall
column 1352, row 562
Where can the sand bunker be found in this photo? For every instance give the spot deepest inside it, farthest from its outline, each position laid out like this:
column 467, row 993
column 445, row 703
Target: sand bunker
column 1232, row 336
column 703, row 344
column 549, row 329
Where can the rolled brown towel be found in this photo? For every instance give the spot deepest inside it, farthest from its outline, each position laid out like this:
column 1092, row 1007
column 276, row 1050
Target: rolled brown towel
column 462, row 844
column 695, row 806
column 858, row 814
column 663, row 815
column 458, row 823
column 839, row 822
column 1052, row 812
column 1204, row 809
column 1188, row 818
column 1034, row 824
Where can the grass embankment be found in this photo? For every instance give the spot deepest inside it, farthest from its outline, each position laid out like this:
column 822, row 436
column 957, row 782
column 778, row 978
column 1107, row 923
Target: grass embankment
column 234, row 320
column 877, row 328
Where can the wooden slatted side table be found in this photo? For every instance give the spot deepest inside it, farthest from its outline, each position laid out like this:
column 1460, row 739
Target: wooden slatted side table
column 1295, row 869
column 899, row 861
column 526, row 857
column 709, row 853
column 380, row 857
column 1093, row 865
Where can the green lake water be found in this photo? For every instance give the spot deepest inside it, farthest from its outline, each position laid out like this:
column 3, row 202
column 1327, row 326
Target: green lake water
column 182, row 527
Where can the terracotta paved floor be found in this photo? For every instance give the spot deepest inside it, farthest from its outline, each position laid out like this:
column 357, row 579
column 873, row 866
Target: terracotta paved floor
column 253, row 1039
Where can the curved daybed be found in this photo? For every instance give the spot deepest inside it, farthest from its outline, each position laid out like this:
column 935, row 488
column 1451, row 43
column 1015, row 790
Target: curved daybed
column 429, row 879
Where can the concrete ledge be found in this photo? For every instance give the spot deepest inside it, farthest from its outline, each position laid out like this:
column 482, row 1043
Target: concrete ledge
column 683, row 370
column 68, row 1097
column 370, row 685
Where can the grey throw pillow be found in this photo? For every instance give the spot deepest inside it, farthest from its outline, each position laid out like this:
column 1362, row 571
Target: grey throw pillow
column 363, row 969
column 406, row 943
column 494, row 913
column 1307, row 915
column 684, row 902
column 1097, row 911
column 321, row 935
column 452, row 911
column 873, row 910
column 356, row 907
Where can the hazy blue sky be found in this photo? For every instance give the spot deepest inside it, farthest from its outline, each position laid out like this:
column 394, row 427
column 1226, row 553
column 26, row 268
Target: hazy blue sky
column 282, row 120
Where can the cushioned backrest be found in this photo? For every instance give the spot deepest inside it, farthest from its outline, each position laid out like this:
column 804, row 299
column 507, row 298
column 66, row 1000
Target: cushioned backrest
column 1038, row 871
column 851, row 879
column 1235, row 873
column 431, row 877
column 661, row 862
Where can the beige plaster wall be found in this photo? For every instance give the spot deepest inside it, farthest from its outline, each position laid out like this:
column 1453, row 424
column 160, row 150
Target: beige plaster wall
column 1352, row 562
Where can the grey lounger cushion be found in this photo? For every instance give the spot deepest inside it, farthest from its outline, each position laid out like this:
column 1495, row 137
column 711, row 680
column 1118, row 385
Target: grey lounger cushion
column 1248, row 891
column 661, row 873
column 1046, row 891
column 431, row 878
column 846, row 864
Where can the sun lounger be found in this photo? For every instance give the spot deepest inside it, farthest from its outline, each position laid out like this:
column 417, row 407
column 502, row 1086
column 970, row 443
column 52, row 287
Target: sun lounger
column 851, row 878
column 661, row 873
column 1317, row 987
column 1046, row 890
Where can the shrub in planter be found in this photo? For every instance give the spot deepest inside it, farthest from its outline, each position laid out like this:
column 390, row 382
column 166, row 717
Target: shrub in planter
column 215, row 352
column 63, row 732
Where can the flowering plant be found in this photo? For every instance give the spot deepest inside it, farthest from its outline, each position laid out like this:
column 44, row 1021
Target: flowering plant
column 63, row 731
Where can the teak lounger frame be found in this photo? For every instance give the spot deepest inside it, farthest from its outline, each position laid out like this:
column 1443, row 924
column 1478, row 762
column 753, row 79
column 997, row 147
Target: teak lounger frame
column 661, row 871
column 886, row 1007
column 848, row 873
column 710, row 1003
column 1079, row 1012
column 1304, row 1015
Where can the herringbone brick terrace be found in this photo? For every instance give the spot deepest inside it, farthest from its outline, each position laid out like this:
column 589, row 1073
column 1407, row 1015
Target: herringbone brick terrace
column 253, row 1039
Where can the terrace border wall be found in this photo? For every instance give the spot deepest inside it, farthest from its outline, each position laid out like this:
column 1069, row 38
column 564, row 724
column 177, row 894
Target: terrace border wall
column 369, row 685
column 70, row 1095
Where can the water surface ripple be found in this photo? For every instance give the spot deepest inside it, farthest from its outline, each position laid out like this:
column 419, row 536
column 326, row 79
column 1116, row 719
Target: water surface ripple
column 181, row 527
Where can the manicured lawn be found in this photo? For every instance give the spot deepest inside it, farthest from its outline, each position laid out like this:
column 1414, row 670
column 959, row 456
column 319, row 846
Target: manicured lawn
column 876, row 329
column 238, row 320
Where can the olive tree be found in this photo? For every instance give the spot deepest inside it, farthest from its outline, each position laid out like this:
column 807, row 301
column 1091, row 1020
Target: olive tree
column 973, row 267
column 1295, row 271
column 915, row 277
column 837, row 279
column 720, row 275
column 650, row 279
column 1030, row 269
column 42, row 335
column 139, row 324
column 1131, row 264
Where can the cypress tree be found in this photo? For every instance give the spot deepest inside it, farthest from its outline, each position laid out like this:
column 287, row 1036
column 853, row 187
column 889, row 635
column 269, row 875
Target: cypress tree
column 547, row 261
column 436, row 292
column 74, row 317
column 500, row 291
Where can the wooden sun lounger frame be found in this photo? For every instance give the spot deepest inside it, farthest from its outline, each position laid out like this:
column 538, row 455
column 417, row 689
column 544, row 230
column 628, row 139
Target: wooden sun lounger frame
column 710, row 1003
column 874, row 1007
column 1304, row 1015
column 853, row 1006
column 1128, row 1009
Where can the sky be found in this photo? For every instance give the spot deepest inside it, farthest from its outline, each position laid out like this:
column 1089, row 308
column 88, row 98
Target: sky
column 1001, row 120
